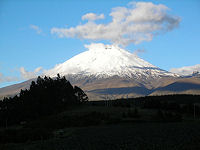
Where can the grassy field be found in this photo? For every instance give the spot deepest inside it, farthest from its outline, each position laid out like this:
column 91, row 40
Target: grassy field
column 112, row 128
column 138, row 136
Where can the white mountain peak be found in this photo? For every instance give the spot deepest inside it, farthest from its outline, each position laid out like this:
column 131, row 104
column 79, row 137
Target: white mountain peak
column 107, row 60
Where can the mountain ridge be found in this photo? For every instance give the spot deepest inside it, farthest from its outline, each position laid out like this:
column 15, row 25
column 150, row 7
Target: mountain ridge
column 118, row 87
column 109, row 70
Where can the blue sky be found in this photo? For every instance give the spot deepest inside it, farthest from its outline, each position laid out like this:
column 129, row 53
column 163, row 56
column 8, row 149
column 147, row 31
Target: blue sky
column 26, row 39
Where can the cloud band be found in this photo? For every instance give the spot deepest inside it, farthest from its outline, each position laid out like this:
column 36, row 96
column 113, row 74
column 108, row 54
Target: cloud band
column 141, row 22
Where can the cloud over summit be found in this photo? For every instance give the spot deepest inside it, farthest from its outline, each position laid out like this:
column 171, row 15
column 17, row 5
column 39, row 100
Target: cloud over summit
column 139, row 22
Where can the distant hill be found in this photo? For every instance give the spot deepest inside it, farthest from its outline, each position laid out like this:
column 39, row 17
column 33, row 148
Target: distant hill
column 117, row 87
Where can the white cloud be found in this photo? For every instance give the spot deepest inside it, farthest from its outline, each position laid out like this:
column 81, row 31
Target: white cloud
column 30, row 74
column 187, row 70
column 135, row 24
column 92, row 16
column 7, row 78
column 36, row 28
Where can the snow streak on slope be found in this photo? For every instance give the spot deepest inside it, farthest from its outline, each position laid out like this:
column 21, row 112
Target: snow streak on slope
column 105, row 61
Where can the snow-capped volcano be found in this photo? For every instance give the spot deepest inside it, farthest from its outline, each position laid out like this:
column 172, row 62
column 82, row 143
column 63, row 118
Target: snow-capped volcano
column 107, row 60
column 108, row 70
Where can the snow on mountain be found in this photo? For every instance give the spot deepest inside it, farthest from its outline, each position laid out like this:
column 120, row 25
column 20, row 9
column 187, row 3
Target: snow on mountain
column 105, row 61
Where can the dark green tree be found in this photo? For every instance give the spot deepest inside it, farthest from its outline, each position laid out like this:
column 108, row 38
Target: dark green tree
column 45, row 96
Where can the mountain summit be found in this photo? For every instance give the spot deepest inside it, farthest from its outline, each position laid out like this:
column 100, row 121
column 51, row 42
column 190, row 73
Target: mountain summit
column 108, row 70
column 104, row 61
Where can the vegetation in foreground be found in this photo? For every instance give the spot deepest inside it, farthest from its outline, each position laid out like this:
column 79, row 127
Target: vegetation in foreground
column 100, row 127
column 45, row 97
column 55, row 115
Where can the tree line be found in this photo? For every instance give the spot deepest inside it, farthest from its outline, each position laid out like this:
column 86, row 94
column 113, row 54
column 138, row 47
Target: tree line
column 44, row 97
